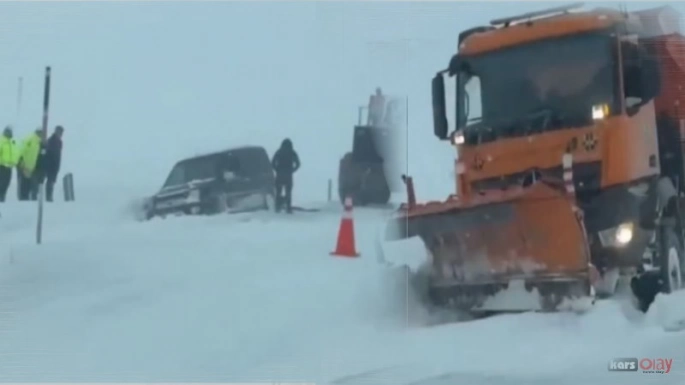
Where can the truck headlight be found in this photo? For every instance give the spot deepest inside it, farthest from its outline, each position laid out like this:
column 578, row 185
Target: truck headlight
column 617, row 236
column 457, row 138
column 600, row 111
column 624, row 233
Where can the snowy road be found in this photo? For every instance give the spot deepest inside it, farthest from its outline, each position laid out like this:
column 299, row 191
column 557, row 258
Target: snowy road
column 257, row 297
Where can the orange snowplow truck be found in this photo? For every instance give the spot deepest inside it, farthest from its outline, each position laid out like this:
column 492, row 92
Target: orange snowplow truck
column 567, row 125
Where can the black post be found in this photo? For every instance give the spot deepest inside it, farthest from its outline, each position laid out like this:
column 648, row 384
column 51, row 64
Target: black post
column 330, row 190
column 68, row 187
column 41, row 187
column 65, row 187
column 20, row 87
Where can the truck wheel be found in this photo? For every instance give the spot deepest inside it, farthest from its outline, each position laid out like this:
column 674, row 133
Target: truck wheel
column 670, row 265
column 666, row 279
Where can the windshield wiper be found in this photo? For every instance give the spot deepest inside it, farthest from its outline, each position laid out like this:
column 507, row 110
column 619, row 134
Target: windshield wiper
column 510, row 127
column 546, row 114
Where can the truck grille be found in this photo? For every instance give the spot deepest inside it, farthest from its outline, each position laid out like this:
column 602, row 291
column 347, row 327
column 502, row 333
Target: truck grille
column 587, row 177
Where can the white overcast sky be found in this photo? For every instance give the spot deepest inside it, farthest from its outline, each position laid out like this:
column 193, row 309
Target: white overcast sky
column 138, row 85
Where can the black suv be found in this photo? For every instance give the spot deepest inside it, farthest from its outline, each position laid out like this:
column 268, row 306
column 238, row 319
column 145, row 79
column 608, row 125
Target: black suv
column 235, row 180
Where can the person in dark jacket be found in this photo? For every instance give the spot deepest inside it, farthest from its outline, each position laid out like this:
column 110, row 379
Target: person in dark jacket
column 285, row 162
column 52, row 160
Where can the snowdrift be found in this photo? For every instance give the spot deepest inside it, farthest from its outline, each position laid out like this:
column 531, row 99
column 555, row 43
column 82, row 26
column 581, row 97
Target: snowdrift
column 257, row 297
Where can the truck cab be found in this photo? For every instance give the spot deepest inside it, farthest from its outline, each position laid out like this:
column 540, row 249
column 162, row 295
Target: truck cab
column 603, row 86
column 573, row 82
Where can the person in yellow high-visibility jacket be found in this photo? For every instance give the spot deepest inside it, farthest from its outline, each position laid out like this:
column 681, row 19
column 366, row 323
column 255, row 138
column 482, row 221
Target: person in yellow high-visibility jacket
column 9, row 155
column 29, row 173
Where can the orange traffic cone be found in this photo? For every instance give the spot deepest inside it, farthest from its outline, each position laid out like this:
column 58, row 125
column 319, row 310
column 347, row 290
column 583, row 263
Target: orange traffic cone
column 345, row 246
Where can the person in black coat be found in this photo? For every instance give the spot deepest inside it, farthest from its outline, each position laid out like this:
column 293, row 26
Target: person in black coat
column 285, row 162
column 52, row 160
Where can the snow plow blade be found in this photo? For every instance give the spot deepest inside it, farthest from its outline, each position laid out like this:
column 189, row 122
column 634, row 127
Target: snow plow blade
column 519, row 249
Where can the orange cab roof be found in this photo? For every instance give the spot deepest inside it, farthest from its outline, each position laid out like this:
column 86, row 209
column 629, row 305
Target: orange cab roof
column 523, row 32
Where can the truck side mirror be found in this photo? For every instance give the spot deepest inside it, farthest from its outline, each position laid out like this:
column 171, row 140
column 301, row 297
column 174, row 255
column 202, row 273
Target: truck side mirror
column 440, row 125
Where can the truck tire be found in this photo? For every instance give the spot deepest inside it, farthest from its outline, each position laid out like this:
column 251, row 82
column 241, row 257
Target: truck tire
column 671, row 264
column 667, row 278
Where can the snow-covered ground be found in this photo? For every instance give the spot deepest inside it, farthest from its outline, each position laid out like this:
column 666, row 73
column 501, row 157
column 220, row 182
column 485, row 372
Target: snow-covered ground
column 257, row 297
column 252, row 297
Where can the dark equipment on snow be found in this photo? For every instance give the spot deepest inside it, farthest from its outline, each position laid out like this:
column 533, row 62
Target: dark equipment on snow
column 370, row 172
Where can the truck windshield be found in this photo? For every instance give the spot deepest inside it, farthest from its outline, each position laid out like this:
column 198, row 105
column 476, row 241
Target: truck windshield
column 191, row 169
column 537, row 87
